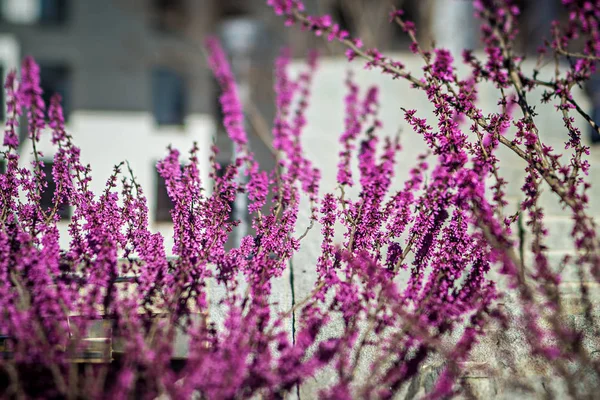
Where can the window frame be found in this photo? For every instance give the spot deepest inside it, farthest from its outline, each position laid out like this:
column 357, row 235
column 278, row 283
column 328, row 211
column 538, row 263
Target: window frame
column 47, row 193
column 179, row 98
column 65, row 79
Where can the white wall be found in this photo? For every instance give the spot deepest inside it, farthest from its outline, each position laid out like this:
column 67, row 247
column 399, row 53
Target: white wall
column 108, row 138
column 325, row 118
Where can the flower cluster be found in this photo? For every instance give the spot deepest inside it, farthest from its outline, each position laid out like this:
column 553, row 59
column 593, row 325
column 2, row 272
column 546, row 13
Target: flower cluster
column 445, row 227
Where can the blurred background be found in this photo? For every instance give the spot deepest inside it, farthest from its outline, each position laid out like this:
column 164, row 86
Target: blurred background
column 134, row 79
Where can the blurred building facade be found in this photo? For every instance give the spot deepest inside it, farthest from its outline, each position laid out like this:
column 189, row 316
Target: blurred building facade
column 134, row 79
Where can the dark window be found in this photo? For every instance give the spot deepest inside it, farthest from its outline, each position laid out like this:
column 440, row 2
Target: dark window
column 411, row 13
column 164, row 205
column 534, row 23
column 232, row 8
column 53, row 11
column 342, row 16
column 47, row 198
column 56, row 79
column 2, row 166
column 168, row 97
column 169, row 15
column 593, row 88
column 220, row 172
